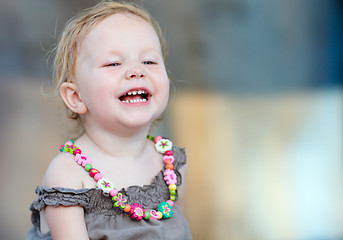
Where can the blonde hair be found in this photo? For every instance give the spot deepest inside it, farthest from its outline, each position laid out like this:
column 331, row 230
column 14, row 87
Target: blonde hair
column 76, row 29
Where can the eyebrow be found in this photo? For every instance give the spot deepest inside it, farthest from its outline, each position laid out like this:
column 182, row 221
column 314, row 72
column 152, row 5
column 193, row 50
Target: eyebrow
column 117, row 53
column 152, row 50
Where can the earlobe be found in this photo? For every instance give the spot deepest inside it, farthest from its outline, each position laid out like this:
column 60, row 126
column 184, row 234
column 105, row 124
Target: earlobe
column 71, row 97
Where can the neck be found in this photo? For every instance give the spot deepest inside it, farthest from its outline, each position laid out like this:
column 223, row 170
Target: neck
column 126, row 146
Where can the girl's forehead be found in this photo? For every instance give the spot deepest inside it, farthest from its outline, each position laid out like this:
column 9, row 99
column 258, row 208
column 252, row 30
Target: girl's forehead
column 118, row 29
column 121, row 23
column 120, row 32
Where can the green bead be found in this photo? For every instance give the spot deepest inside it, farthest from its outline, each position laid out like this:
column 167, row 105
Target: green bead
column 147, row 215
column 172, row 192
column 165, row 209
column 150, row 138
column 172, row 198
column 88, row 167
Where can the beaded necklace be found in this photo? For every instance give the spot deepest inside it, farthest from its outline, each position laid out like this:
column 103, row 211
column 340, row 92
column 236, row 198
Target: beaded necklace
column 135, row 210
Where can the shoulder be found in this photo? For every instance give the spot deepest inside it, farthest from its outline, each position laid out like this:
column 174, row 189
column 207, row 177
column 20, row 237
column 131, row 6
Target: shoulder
column 63, row 171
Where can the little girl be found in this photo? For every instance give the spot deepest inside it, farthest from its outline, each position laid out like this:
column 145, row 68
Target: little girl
column 115, row 181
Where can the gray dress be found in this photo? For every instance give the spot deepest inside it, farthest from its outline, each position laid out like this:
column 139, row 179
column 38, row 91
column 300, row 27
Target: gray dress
column 104, row 221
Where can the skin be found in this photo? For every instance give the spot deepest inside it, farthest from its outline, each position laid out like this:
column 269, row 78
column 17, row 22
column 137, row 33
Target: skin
column 119, row 54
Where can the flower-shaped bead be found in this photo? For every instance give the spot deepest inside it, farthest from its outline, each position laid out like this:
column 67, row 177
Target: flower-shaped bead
column 119, row 200
column 137, row 211
column 82, row 159
column 163, row 145
column 170, row 176
column 165, row 209
column 105, row 185
column 69, row 147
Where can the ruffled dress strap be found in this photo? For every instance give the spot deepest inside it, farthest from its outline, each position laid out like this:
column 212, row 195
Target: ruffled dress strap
column 180, row 160
column 56, row 196
column 180, row 157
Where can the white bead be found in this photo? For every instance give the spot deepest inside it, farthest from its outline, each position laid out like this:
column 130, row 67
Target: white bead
column 163, row 145
column 105, row 185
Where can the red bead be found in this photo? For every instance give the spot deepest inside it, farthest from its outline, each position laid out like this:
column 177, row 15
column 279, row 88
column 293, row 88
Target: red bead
column 77, row 151
column 93, row 171
column 168, row 153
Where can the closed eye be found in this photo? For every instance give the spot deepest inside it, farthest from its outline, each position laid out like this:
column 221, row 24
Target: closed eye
column 149, row 62
column 115, row 64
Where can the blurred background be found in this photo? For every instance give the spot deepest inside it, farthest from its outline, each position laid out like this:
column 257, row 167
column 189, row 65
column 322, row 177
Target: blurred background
column 257, row 103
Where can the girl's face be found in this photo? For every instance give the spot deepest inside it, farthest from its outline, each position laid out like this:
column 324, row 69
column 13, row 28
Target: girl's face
column 120, row 74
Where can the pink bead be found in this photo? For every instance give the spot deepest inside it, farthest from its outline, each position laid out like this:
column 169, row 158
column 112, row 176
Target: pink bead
column 168, row 159
column 170, row 202
column 170, row 176
column 157, row 138
column 168, row 153
column 113, row 192
column 97, row 176
column 153, row 215
column 82, row 159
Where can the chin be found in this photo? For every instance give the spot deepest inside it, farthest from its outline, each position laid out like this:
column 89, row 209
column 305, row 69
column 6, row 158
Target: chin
column 139, row 122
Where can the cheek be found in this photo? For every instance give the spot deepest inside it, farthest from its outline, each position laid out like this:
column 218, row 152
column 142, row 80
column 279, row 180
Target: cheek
column 165, row 91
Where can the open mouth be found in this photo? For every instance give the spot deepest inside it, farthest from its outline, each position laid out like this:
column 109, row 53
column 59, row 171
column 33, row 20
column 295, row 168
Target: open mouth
column 135, row 96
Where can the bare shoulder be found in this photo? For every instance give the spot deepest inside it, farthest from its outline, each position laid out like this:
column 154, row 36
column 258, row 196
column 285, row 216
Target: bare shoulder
column 63, row 171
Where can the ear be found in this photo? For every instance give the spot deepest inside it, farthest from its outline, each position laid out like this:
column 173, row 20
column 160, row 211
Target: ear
column 71, row 97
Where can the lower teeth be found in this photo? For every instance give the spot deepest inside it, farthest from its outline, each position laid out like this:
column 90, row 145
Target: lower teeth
column 134, row 100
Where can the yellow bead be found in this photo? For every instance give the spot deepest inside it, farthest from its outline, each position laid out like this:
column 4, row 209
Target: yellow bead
column 159, row 215
column 172, row 187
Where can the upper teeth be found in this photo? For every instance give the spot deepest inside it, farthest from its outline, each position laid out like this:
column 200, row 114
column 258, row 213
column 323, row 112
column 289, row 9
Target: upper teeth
column 136, row 92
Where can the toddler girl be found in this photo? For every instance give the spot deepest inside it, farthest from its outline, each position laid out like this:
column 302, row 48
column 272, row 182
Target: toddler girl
column 114, row 181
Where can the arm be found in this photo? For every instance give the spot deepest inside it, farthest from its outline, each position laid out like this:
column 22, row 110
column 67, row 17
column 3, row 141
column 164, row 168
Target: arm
column 64, row 222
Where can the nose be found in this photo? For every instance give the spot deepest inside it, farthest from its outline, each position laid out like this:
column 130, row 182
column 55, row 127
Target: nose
column 135, row 72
